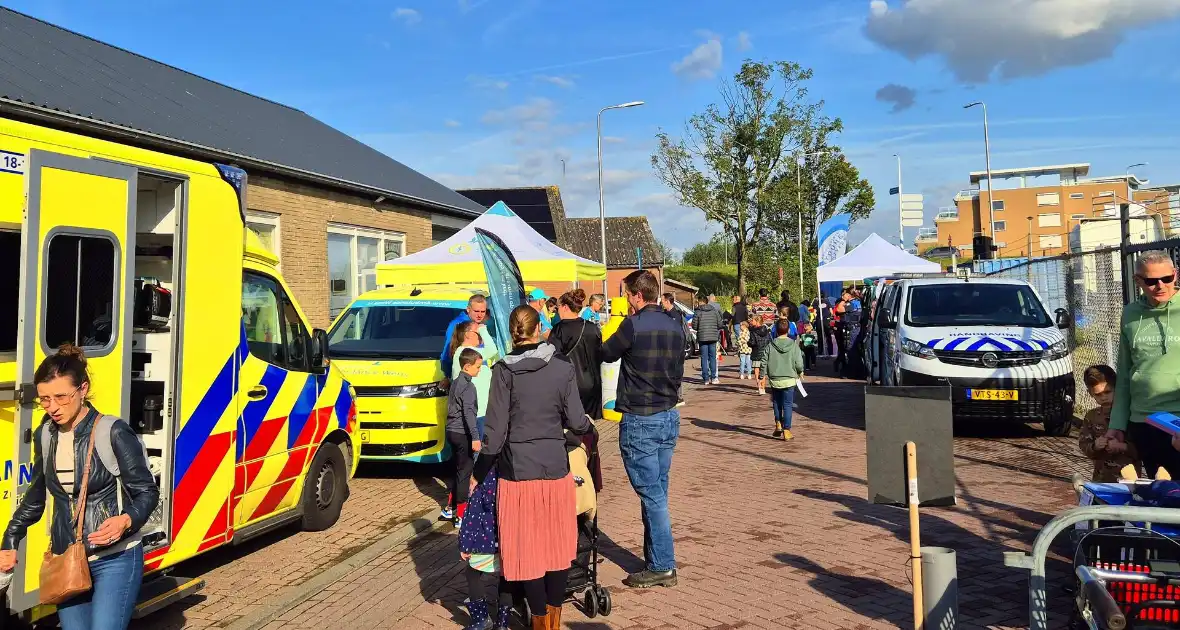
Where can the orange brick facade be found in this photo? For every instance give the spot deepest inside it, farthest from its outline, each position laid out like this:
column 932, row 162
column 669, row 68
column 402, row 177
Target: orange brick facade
column 1051, row 222
column 304, row 214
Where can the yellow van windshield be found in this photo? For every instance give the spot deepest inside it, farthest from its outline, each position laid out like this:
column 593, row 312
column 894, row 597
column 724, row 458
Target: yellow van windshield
column 391, row 332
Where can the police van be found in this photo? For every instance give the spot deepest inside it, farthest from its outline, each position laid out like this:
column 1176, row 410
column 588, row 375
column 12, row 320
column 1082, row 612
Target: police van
column 991, row 340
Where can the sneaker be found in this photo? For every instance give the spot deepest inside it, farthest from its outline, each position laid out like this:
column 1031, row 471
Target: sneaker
column 648, row 579
column 794, row 405
column 716, row 381
column 778, row 430
column 761, row 390
column 447, row 514
column 787, row 435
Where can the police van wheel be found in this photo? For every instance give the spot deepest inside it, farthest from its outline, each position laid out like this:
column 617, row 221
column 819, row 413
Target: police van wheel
column 1058, row 426
column 325, row 489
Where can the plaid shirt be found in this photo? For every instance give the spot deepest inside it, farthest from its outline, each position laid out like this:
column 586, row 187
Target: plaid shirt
column 650, row 344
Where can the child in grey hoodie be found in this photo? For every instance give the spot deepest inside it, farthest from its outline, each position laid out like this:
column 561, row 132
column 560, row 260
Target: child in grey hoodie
column 462, row 429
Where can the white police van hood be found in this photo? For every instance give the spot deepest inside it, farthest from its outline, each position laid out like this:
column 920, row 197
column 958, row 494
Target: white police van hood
column 986, row 338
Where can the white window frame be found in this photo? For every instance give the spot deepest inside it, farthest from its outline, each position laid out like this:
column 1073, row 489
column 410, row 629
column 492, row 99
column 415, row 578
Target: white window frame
column 1048, row 199
column 1049, row 219
column 1105, row 193
column 261, row 217
column 1053, row 238
column 354, row 232
column 999, row 226
column 999, row 208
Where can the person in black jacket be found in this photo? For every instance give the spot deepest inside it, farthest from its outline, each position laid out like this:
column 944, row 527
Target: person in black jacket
column 741, row 313
column 110, row 533
column 581, row 342
column 706, row 321
column 534, row 399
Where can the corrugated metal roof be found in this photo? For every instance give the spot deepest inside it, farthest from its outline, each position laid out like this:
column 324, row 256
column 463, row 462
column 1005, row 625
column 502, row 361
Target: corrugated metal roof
column 49, row 67
column 624, row 236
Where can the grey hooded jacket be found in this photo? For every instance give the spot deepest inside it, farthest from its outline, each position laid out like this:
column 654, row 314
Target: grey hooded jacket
column 534, row 398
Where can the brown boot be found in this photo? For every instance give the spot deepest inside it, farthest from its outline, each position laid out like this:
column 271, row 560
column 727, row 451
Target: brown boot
column 554, row 614
column 542, row 622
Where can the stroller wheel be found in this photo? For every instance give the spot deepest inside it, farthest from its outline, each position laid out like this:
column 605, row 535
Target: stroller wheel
column 604, row 604
column 591, row 603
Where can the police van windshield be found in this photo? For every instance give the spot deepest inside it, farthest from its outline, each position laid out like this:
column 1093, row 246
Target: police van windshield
column 975, row 304
column 391, row 332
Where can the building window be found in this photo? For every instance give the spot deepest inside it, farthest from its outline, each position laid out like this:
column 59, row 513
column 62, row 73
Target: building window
column 998, row 205
column 1048, row 199
column 353, row 254
column 999, row 226
column 266, row 226
column 81, row 291
column 1105, row 193
column 1050, row 241
column 1051, row 219
column 1077, row 217
column 1077, row 195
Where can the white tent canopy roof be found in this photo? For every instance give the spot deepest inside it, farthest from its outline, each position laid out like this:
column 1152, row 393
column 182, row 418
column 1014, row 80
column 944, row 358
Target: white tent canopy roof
column 873, row 258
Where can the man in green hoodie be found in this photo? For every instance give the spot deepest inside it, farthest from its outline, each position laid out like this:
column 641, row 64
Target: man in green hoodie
column 1149, row 364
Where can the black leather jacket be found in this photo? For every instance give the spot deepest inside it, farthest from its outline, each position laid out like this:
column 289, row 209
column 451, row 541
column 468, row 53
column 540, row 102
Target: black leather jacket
column 140, row 493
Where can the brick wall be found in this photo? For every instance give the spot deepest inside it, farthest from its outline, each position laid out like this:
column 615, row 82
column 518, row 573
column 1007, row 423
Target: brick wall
column 305, row 212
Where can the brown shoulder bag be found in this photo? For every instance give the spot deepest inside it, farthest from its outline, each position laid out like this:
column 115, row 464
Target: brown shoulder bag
column 68, row 575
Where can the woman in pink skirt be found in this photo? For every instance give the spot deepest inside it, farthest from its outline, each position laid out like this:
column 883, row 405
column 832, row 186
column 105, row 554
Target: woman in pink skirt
column 534, row 398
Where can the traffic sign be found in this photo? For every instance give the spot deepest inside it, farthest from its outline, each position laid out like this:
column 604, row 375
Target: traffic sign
column 911, row 197
column 911, row 205
column 911, row 214
column 911, row 222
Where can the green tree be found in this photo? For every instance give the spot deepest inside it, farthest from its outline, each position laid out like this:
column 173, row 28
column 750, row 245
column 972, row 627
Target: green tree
column 667, row 253
column 734, row 155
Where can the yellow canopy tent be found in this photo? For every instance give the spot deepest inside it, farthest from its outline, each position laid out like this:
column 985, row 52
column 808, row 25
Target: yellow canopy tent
column 457, row 261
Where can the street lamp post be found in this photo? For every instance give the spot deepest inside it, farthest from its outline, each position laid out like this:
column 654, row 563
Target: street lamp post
column 1129, row 193
column 987, row 151
column 601, row 206
column 900, row 207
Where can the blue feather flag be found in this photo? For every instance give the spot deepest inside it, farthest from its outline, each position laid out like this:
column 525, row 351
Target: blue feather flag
column 505, row 286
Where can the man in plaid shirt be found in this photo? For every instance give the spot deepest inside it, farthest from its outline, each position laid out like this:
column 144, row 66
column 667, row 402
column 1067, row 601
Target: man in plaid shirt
column 650, row 344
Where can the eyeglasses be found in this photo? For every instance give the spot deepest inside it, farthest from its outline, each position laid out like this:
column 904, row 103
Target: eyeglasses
column 60, row 399
column 1151, row 282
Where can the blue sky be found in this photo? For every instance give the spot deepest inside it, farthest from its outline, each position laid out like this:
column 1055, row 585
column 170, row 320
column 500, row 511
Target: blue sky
column 500, row 92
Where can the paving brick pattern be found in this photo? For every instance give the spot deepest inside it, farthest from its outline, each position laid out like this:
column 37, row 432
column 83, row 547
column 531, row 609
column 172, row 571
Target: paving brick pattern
column 768, row 534
column 239, row 579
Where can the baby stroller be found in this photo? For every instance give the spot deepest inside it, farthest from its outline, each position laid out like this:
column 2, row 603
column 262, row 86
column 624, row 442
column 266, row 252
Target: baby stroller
column 582, row 585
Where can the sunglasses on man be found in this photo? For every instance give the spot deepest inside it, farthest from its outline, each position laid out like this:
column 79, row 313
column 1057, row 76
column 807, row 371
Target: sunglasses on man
column 1151, row 282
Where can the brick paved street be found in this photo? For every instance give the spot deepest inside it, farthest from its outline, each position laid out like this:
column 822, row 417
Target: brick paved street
column 769, row 534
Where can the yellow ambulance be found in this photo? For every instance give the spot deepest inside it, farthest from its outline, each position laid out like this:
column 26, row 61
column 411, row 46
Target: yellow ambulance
column 192, row 336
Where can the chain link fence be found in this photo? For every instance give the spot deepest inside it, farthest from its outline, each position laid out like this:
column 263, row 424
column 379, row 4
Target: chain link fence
column 1093, row 287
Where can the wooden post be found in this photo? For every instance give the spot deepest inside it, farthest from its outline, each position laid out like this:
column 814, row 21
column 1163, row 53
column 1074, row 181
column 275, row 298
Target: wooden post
column 911, row 465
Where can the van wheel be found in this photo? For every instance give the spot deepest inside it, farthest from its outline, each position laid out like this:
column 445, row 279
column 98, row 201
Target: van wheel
column 325, row 489
column 1059, row 426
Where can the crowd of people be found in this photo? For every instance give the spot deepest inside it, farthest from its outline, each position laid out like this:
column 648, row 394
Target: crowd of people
column 512, row 422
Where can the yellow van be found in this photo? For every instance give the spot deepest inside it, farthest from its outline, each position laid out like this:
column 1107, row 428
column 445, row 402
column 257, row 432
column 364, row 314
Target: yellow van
column 387, row 344
column 192, row 337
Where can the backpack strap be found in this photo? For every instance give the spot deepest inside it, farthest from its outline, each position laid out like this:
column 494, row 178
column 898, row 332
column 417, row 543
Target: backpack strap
column 102, row 443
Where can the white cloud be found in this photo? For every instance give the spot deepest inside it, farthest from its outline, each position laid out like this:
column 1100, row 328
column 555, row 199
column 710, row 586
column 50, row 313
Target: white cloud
column 532, row 113
column 487, row 83
column 743, row 41
column 407, row 16
column 561, row 82
column 452, row 123
column 613, row 140
column 1014, row 38
column 702, row 63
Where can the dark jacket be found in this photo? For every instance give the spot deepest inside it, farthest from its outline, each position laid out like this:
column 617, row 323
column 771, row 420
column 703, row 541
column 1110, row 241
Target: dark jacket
column 741, row 313
column 478, row 533
column 651, row 347
column 581, row 342
column 534, row 399
column 140, row 493
column 759, row 339
column 462, row 402
column 706, row 320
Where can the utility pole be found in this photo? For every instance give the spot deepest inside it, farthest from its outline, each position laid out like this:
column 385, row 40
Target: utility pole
column 1028, row 265
column 987, row 152
column 900, row 222
column 601, row 204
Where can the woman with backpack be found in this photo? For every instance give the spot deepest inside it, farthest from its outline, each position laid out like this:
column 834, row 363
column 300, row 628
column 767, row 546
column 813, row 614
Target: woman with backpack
column 113, row 500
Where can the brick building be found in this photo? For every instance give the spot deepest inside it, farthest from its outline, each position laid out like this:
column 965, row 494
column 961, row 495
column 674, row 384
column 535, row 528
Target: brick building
column 328, row 205
column 1043, row 202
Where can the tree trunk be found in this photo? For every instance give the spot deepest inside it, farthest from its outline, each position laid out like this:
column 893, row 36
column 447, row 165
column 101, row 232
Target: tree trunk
column 740, row 257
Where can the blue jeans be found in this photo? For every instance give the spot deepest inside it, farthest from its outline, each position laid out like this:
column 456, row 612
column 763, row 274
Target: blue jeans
column 647, row 443
column 745, row 365
column 708, row 361
column 108, row 606
column 782, row 399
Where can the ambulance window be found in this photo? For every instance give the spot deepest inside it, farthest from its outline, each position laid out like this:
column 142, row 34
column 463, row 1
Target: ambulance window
column 298, row 341
column 261, row 316
column 10, row 262
column 79, row 291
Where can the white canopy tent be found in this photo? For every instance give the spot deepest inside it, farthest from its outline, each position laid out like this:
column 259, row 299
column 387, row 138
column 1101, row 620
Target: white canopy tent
column 873, row 258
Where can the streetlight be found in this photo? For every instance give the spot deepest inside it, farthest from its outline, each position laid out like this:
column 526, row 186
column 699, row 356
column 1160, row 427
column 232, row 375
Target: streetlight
column 987, row 150
column 900, row 207
column 1129, row 178
column 601, row 206
column 799, row 193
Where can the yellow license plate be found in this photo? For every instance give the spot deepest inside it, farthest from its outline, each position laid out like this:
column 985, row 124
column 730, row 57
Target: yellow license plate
column 993, row 394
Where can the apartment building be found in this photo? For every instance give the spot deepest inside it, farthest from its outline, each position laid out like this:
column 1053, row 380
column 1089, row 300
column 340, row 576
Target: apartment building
column 1037, row 207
